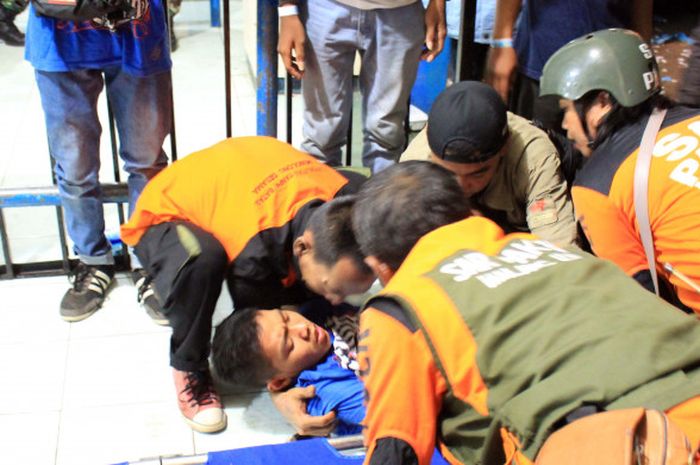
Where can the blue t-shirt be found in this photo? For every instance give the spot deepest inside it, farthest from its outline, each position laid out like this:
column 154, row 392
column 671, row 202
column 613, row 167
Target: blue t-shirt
column 140, row 47
column 338, row 389
column 546, row 25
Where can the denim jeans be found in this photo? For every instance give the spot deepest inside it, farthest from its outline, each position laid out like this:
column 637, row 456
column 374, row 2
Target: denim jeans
column 389, row 42
column 142, row 111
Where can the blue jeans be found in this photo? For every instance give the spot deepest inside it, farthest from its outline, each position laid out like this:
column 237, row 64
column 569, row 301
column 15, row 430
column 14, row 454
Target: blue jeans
column 142, row 110
column 389, row 42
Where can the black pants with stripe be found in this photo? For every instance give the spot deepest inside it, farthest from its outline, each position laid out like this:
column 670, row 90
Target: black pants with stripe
column 188, row 266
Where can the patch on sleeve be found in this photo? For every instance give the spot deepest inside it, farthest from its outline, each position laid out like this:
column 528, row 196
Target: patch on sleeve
column 541, row 212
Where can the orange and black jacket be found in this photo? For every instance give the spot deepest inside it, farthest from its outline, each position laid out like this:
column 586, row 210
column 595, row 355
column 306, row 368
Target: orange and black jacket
column 603, row 197
column 483, row 343
column 255, row 195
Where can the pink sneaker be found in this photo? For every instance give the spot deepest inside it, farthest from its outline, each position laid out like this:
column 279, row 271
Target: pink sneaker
column 198, row 401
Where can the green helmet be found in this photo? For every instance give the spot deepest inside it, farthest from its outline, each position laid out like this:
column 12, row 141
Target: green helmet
column 615, row 60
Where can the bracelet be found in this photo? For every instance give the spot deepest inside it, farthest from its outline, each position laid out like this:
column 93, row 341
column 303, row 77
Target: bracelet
column 502, row 43
column 287, row 10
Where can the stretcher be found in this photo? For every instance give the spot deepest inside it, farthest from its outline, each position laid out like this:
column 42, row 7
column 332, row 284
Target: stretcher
column 346, row 450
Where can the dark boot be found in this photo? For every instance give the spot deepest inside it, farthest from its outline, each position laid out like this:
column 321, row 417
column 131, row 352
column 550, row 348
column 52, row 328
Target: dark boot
column 8, row 31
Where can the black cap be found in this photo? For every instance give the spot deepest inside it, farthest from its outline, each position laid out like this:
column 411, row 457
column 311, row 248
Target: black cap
column 467, row 123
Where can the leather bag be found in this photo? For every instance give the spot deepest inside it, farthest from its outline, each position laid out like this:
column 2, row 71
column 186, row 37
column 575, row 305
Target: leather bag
column 619, row 437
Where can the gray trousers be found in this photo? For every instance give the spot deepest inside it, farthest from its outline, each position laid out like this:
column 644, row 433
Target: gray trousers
column 389, row 42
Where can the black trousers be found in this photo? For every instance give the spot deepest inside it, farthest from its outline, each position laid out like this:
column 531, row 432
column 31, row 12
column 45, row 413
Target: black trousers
column 526, row 102
column 188, row 266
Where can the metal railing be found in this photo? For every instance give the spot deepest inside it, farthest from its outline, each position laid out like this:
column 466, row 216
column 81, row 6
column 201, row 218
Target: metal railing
column 268, row 87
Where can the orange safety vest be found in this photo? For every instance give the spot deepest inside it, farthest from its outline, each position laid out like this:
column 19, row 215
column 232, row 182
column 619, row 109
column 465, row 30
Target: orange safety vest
column 234, row 190
column 498, row 337
column 603, row 197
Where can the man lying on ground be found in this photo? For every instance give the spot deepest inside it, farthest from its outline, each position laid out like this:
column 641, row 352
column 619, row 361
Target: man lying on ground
column 279, row 348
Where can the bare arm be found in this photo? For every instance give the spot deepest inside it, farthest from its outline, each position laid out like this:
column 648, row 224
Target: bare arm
column 435, row 29
column 501, row 62
column 292, row 405
column 290, row 45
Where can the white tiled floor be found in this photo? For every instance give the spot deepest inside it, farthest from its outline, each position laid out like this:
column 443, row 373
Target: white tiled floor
column 100, row 391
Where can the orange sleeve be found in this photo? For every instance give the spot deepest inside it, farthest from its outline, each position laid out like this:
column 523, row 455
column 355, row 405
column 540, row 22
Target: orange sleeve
column 610, row 231
column 403, row 388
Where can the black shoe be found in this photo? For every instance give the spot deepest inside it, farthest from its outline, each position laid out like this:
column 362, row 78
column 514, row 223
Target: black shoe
column 146, row 296
column 90, row 286
column 10, row 34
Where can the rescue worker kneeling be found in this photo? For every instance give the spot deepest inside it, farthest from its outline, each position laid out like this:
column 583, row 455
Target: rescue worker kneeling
column 257, row 213
column 609, row 86
column 488, row 343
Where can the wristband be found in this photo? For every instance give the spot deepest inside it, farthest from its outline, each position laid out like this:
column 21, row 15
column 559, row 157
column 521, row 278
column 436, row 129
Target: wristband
column 287, row 10
column 502, row 43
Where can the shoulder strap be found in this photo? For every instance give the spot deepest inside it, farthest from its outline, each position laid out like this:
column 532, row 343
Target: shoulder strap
column 641, row 189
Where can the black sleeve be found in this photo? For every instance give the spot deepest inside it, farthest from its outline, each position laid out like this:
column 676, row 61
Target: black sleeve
column 644, row 278
column 392, row 451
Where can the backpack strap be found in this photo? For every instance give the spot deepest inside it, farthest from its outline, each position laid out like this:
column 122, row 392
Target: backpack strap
column 641, row 189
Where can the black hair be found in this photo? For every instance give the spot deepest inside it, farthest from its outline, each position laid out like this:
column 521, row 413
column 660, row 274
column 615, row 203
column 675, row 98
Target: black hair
column 236, row 351
column 402, row 203
column 618, row 116
column 331, row 226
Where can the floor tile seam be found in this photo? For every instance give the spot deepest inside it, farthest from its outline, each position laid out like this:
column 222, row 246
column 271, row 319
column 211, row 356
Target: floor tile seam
column 100, row 337
column 68, row 407
column 69, row 410
column 30, row 412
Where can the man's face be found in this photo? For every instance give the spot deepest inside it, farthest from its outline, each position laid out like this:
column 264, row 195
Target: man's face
column 334, row 283
column 472, row 177
column 290, row 342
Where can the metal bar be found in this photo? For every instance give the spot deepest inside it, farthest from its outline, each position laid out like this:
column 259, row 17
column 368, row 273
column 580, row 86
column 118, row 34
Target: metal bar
column 62, row 238
column 49, row 195
column 37, row 269
column 215, row 12
column 115, row 154
column 227, row 66
column 169, row 23
column 348, row 142
column 266, row 75
column 465, row 45
column 178, row 460
column 406, row 124
column 173, row 138
column 59, row 220
column 9, row 267
column 347, row 442
column 289, row 87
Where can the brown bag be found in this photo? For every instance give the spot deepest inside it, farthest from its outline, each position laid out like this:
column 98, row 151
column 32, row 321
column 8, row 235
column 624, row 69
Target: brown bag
column 619, row 437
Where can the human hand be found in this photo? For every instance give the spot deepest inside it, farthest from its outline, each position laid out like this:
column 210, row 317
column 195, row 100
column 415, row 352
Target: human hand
column 500, row 70
column 435, row 30
column 291, row 45
column 292, row 405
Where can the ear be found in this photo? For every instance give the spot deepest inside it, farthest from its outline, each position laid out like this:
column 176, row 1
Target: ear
column 381, row 269
column 278, row 383
column 303, row 244
column 603, row 99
